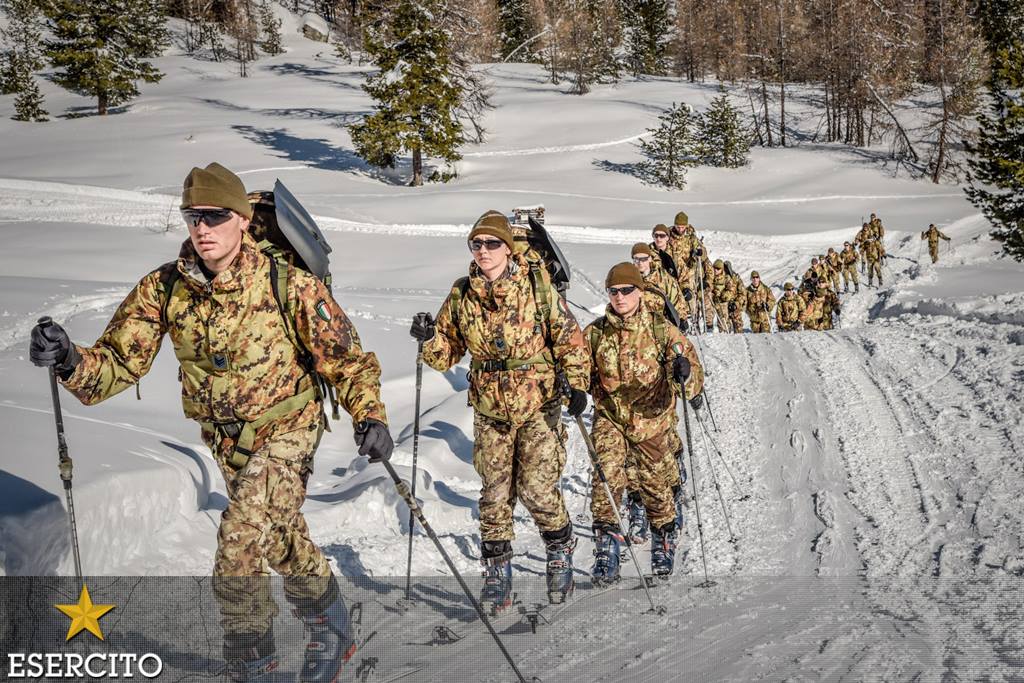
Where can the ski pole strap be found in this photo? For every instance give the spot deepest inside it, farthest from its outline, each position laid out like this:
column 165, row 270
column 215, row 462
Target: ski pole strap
column 244, row 433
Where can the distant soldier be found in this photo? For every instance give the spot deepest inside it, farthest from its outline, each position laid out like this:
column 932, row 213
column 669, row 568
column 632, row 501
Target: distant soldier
column 877, row 229
column 859, row 241
column 933, row 235
column 655, row 276
column 808, row 285
column 818, row 314
column 723, row 292
column 760, row 302
column 520, row 336
column 874, row 252
column 849, row 259
column 739, row 305
column 684, row 235
column 639, row 360
column 791, row 306
column 835, row 266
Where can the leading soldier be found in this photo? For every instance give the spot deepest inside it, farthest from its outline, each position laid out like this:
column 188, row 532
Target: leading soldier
column 639, row 361
column 933, row 234
column 243, row 380
column 521, row 337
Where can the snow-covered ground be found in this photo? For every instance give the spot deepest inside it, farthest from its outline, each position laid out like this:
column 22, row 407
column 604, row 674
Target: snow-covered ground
column 871, row 474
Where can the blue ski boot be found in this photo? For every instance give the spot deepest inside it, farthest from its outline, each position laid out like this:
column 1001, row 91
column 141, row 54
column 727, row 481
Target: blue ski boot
column 250, row 657
column 663, row 550
column 496, row 595
column 560, row 546
column 638, row 527
column 607, row 546
column 332, row 639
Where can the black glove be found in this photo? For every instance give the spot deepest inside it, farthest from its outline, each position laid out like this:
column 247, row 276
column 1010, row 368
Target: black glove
column 374, row 440
column 577, row 402
column 680, row 369
column 423, row 327
column 51, row 347
column 687, row 293
column 732, row 306
column 684, row 325
column 698, row 251
column 697, row 401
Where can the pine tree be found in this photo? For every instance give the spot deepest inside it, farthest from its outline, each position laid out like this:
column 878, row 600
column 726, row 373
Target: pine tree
column 723, row 139
column 671, row 147
column 996, row 161
column 516, row 29
column 23, row 38
column 28, row 105
column 271, row 28
column 648, row 27
column 101, row 46
column 590, row 35
column 417, row 98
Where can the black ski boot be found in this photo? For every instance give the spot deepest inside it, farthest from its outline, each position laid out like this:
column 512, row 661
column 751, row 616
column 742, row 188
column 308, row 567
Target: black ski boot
column 332, row 639
column 663, row 550
column 607, row 547
column 496, row 557
column 638, row 526
column 250, row 657
column 560, row 546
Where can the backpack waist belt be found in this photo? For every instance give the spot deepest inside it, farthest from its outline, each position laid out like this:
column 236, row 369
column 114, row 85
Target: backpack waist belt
column 244, row 433
column 500, row 364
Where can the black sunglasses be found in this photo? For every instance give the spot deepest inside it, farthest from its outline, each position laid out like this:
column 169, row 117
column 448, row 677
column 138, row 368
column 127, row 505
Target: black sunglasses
column 624, row 290
column 212, row 217
column 660, row 235
column 477, row 245
column 641, row 259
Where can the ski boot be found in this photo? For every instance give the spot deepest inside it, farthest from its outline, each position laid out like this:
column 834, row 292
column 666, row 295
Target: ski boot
column 663, row 550
column 560, row 546
column 638, row 527
column 331, row 637
column 496, row 595
column 250, row 657
column 856, row 288
column 607, row 546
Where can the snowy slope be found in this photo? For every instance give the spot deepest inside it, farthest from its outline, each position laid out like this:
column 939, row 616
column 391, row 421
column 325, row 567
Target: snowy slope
column 871, row 475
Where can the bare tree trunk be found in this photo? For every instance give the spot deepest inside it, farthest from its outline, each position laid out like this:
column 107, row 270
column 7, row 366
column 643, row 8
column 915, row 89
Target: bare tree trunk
column 782, row 73
column 101, row 104
column 417, row 167
column 899, row 127
column 767, row 120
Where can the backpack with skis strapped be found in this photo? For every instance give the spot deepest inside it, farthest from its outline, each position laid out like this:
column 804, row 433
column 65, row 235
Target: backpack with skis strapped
column 289, row 237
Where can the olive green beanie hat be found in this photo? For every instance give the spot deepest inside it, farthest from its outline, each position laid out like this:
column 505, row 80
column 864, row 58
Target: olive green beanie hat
column 215, row 186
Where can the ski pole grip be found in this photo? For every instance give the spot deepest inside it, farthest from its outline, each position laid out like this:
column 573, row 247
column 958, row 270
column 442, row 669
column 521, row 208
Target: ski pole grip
column 563, row 385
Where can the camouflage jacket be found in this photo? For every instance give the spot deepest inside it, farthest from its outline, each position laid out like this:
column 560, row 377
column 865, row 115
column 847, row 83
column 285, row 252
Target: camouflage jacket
column 236, row 358
column 877, row 229
column 849, row 257
column 632, row 373
column 501, row 322
column 933, row 235
column 813, row 316
column 873, row 250
column 787, row 315
column 723, row 287
column 760, row 301
column 835, row 263
column 667, row 284
column 741, row 292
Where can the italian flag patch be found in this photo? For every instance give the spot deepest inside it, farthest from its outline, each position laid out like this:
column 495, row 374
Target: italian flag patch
column 323, row 311
column 677, row 348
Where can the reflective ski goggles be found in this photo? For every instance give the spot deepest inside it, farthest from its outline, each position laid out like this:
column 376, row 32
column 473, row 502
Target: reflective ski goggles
column 641, row 259
column 625, row 290
column 212, row 217
column 491, row 245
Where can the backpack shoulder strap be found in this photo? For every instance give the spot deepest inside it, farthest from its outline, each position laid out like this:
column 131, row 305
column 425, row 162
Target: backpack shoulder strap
column 459, row 289
column 169, row 277
column 659, row 325
column 596, row 331
column 541, row 294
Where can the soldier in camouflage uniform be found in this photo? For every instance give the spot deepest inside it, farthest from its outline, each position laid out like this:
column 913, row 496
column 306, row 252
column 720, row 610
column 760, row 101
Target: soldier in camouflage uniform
column 520, row 335
column 859, row 241
column 874, row 252
column 877, row 229
column 808, row 285
column 835, row 266
column 760, row 302
column 789, row 310
column 684, row 235
column 723, row 292
column 638, row 361
column 932, row 234
column 848, row 257
column 739, row 304
column 818, row 314
column 655, row 276
column 242, row 378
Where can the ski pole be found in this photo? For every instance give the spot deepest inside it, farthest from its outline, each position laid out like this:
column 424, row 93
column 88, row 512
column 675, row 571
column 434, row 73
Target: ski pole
column 728, row 470
column 696, row 503
column 711, row 413
column 415, row 454
column 64, row 460
column 596, row 464
column 414, row 507
column 718, row 489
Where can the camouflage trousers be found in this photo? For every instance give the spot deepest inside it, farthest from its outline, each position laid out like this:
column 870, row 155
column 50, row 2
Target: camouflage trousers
column 874, row 268
column 760, row 322
column 736, row 319
column 850, row 275
column 834, row 277
column 643, row 467
column 933, row 251
column 522, row 463
column 263, row 529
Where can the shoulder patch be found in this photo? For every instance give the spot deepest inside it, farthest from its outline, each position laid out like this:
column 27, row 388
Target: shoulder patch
column 677, row 348
column 323, row 311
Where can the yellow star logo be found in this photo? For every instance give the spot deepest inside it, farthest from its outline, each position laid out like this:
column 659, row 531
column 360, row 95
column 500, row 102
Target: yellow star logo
column 84, row 615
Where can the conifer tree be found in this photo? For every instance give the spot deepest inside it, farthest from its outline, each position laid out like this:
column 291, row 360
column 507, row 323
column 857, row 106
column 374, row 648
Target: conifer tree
column 22, row 38
column 996, row 161
column 671, row 147
column 415, row 92
column 28, row 105
column 101, row 46
column 723, row 139
column 648, row 27
column 271, row 28
column 516, row 29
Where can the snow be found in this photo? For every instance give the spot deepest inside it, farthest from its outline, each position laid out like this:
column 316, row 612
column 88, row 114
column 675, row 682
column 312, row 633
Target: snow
column 882, row 460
